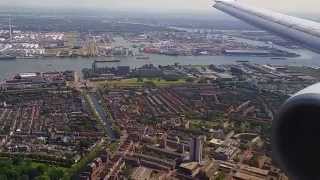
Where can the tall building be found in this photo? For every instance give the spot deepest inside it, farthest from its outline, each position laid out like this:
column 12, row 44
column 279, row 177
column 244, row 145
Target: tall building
column 196, row 148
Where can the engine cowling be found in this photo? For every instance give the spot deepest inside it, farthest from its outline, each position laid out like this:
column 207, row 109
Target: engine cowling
column 296, row 135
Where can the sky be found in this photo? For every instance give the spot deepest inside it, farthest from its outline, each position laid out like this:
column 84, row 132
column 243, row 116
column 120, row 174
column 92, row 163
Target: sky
column 295, row 6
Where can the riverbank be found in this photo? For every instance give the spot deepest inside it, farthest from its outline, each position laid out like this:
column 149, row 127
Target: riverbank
column 9, row 68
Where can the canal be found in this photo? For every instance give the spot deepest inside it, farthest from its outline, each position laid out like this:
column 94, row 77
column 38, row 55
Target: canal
column 103, row 115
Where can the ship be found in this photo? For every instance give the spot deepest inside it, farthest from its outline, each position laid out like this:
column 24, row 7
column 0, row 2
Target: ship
column 116, row 60
column 279, row 58
column 242, row 61
column 7, row 57
column 142, row 58
column 108, row 61
column 27, row 57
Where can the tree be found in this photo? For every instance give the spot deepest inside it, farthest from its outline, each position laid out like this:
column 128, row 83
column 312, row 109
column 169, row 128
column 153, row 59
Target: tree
column 11, row 173
column 244, row 127
column 266, row 130
column 84, row 143
column 190, row 80
column 33, row 173
column 105, row 89
column 55, row 174
column 203, row 81
column 42, row 178
column 17, row 160
column 243, row 146
column 150, row 84
column 117, row 131
column 139, row 79
column 42, row 168
column 24, row 177
column 220, row 176
column 3, row 177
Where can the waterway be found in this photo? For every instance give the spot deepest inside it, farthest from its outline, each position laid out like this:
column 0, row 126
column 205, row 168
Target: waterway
column 102, row 113
column 9, row 68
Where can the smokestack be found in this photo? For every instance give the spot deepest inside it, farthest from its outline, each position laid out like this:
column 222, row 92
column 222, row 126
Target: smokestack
column 10, row 28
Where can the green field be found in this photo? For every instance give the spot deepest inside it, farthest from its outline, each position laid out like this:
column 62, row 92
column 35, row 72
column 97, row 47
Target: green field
column 136, row 82
column 198, row 123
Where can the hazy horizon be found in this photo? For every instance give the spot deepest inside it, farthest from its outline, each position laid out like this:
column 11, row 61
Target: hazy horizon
column 285, row 6
column 202, row 10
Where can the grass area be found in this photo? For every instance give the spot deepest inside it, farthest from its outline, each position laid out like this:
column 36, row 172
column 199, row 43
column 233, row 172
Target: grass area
column 136, row 82
column 197, row 123
column 37, row 164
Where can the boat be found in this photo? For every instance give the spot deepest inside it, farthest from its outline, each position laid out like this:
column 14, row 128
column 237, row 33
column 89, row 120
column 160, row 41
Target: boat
column 116, row 60
column 242, row 61
column 142, row 57
column 28, row 57
column 279, row 58
column 7, row 57
column 107, row 61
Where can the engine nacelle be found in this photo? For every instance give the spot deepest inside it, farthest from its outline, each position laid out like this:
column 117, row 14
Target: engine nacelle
column 296, row 135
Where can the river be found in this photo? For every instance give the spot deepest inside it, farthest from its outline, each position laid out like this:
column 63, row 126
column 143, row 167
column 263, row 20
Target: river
column 10, row 67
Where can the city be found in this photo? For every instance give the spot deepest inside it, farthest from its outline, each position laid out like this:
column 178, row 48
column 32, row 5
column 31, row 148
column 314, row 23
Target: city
column 30, row 44
column 175, row 121
column 117, row 97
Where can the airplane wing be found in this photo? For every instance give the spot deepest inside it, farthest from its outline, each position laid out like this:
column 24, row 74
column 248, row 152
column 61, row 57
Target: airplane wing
column 301, row 30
